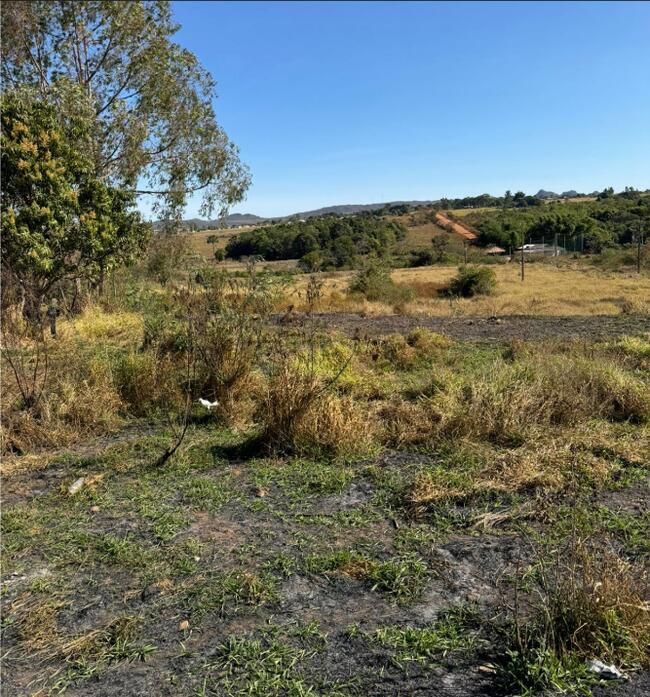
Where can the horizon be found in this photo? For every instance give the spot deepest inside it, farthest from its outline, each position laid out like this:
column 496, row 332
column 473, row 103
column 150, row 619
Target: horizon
column 357, row 103
column 397, row 201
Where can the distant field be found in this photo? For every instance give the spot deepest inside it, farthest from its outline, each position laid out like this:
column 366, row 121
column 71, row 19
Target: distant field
column 462, row 212
column 421, row 234
column 199, row 240
column 571, row 289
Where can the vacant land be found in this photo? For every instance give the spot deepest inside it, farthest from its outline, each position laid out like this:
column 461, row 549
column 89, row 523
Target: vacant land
column 548, row 290
column 374, row 508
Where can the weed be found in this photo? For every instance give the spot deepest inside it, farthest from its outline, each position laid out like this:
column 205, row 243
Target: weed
column 401, row 578
column 450, row 633
column 582, row 603
column 217, row 592
column 373, row 282
column 263, row 667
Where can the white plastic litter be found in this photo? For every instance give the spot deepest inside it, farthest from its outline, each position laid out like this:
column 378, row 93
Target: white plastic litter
column 604, row 671
column 76, row 485
column 207, row 404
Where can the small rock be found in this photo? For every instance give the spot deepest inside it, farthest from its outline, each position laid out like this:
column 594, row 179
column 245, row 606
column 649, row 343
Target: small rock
column 260, row 491
column 184, row 625
column 76, row 485
column 94, row 509
column 197, row 558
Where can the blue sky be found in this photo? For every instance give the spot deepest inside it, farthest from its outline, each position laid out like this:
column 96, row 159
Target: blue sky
column 359, row 102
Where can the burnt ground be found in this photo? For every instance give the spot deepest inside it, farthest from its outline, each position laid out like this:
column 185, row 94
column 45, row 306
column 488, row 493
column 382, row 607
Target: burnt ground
column 219, row 574
column 493, row 329
column 245, row 552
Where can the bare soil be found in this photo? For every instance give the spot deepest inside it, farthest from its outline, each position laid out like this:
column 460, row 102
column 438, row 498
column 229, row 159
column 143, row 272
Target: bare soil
column 490, row 329
column 466, row 566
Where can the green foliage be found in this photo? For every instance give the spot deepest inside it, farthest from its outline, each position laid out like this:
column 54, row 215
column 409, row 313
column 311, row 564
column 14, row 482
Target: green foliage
column 266, row 667
column 311, row 262
column 148, row 100
column 537, row 670
column 166, row 252
column 374, row 283
column 452, row 632
column 58, row 220
column 339, row 240
column 472, row 281
column 612, row 220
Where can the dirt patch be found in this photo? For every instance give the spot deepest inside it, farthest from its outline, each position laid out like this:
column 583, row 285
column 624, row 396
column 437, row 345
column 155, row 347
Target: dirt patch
column 493, row 329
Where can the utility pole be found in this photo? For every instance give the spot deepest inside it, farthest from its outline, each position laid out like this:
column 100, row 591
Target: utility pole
column 555, row 246
column 522, row 258
column 639, row 241
column 465, row 249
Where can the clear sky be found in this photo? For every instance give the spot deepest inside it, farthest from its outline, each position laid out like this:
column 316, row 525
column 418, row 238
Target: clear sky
column 360, row 102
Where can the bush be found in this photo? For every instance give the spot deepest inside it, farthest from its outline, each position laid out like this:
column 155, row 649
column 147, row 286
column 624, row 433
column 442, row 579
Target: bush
column 78, row 399
column 473, row 280
column 374, row 283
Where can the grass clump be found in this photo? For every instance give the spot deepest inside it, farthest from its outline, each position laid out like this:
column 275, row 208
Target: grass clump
column 221, row 592
column 453, row 632
column 583, row 603
column 263, row 667
column 145, row 381
column 402, row 578
column 302, row 414
column 472, row 281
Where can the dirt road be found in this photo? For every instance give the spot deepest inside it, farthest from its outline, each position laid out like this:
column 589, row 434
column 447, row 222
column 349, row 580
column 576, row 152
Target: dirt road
column 456, row 227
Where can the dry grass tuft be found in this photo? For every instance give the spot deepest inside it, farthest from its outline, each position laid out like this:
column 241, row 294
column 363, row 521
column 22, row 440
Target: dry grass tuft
column 117, row 328
column 145, row 381
column 405, row 423
column 583, row 601
column 302, row 414
column 36, row 621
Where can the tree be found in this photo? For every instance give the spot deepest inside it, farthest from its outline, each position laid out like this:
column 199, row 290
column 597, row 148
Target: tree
column 148, row 100
column 212, row 239
column 58, row 220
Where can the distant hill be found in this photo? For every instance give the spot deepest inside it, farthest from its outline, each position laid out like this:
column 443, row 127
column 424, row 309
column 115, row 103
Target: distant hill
column 546, row 194
column 353, row 208
column 236, row 219
column 232, row 220
column 243, row 219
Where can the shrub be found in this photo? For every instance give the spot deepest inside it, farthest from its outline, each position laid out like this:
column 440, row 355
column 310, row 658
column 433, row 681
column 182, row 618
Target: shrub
column 311, row 262
column 374, row 283
column 472, row 281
